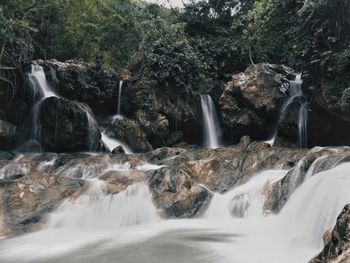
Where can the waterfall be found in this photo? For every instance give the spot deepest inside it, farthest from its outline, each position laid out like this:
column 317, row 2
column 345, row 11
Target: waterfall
column 302, row 125
column 212, row 130
column 42, row 90
column 95, row 210
column 245, row 200
column 37, row 79
column 295, row 91
column 119, row 97
column 92, row 126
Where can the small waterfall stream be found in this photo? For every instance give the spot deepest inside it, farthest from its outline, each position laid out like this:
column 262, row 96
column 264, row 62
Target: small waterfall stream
column 40, row 86
column 42, row 90
column 212, row 130
column 302, row 125
column 119, row 97
column 295, row 91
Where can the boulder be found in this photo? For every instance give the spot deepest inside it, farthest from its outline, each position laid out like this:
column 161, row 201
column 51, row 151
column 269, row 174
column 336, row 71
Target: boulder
column 67, row 126
column 30, row 146
column 118, row 150
column 337, row 245
column 177, row 194
column 130, row 132
column 165, row 117
column 252, row 100
column 89, row 83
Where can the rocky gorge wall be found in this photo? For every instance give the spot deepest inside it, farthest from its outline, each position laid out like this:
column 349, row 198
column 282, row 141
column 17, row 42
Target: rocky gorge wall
column 249, row 104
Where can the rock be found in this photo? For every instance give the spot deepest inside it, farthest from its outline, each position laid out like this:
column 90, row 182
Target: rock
column 320, row 159
column 337, row 245
column 287, row 129
column 118, row 150
column 163, row 113
column 67, row 126
column 177, row 194
column 30, row 146
column 180, row 180
column 6, row 155
column 130, row 132
column 252, row 100
column 7, row 135
column 89, row 83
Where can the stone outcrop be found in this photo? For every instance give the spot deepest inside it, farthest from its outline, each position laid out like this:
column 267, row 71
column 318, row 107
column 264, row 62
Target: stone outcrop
column 337, row 242
column 252, row 100
column 67, row 126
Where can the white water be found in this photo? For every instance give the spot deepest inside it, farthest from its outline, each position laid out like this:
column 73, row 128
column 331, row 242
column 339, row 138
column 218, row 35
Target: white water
column 302, row 125
column 125, row 228
column 119, row 97
column 212, row 130
column 112, row 143
column 41, row 89
column 295, row 90
column 39, row 83
column 95, row 210
column 245, row 200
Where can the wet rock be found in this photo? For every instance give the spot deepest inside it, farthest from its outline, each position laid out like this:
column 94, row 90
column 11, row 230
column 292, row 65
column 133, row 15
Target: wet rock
column 176, row 194
column 67, row 126
column 30, row 146
column 89, row 83
column 25, row 199
column 7, row 135
column 252, row 100
column 130, row 132
column 118, row 150
column 316, row 160
column 163, row 114
column 6, row 155
column 337, row 245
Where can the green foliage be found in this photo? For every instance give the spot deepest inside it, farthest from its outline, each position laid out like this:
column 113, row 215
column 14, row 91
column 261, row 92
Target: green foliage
column 174, row 65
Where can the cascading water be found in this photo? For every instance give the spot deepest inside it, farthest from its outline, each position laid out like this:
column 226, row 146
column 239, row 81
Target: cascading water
column 212, row 130
column 42, row 90
column 95, row 210
column 97, row 227
column 40, row 86
column 245, row 200
column 295, row 91
column 112, row 143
